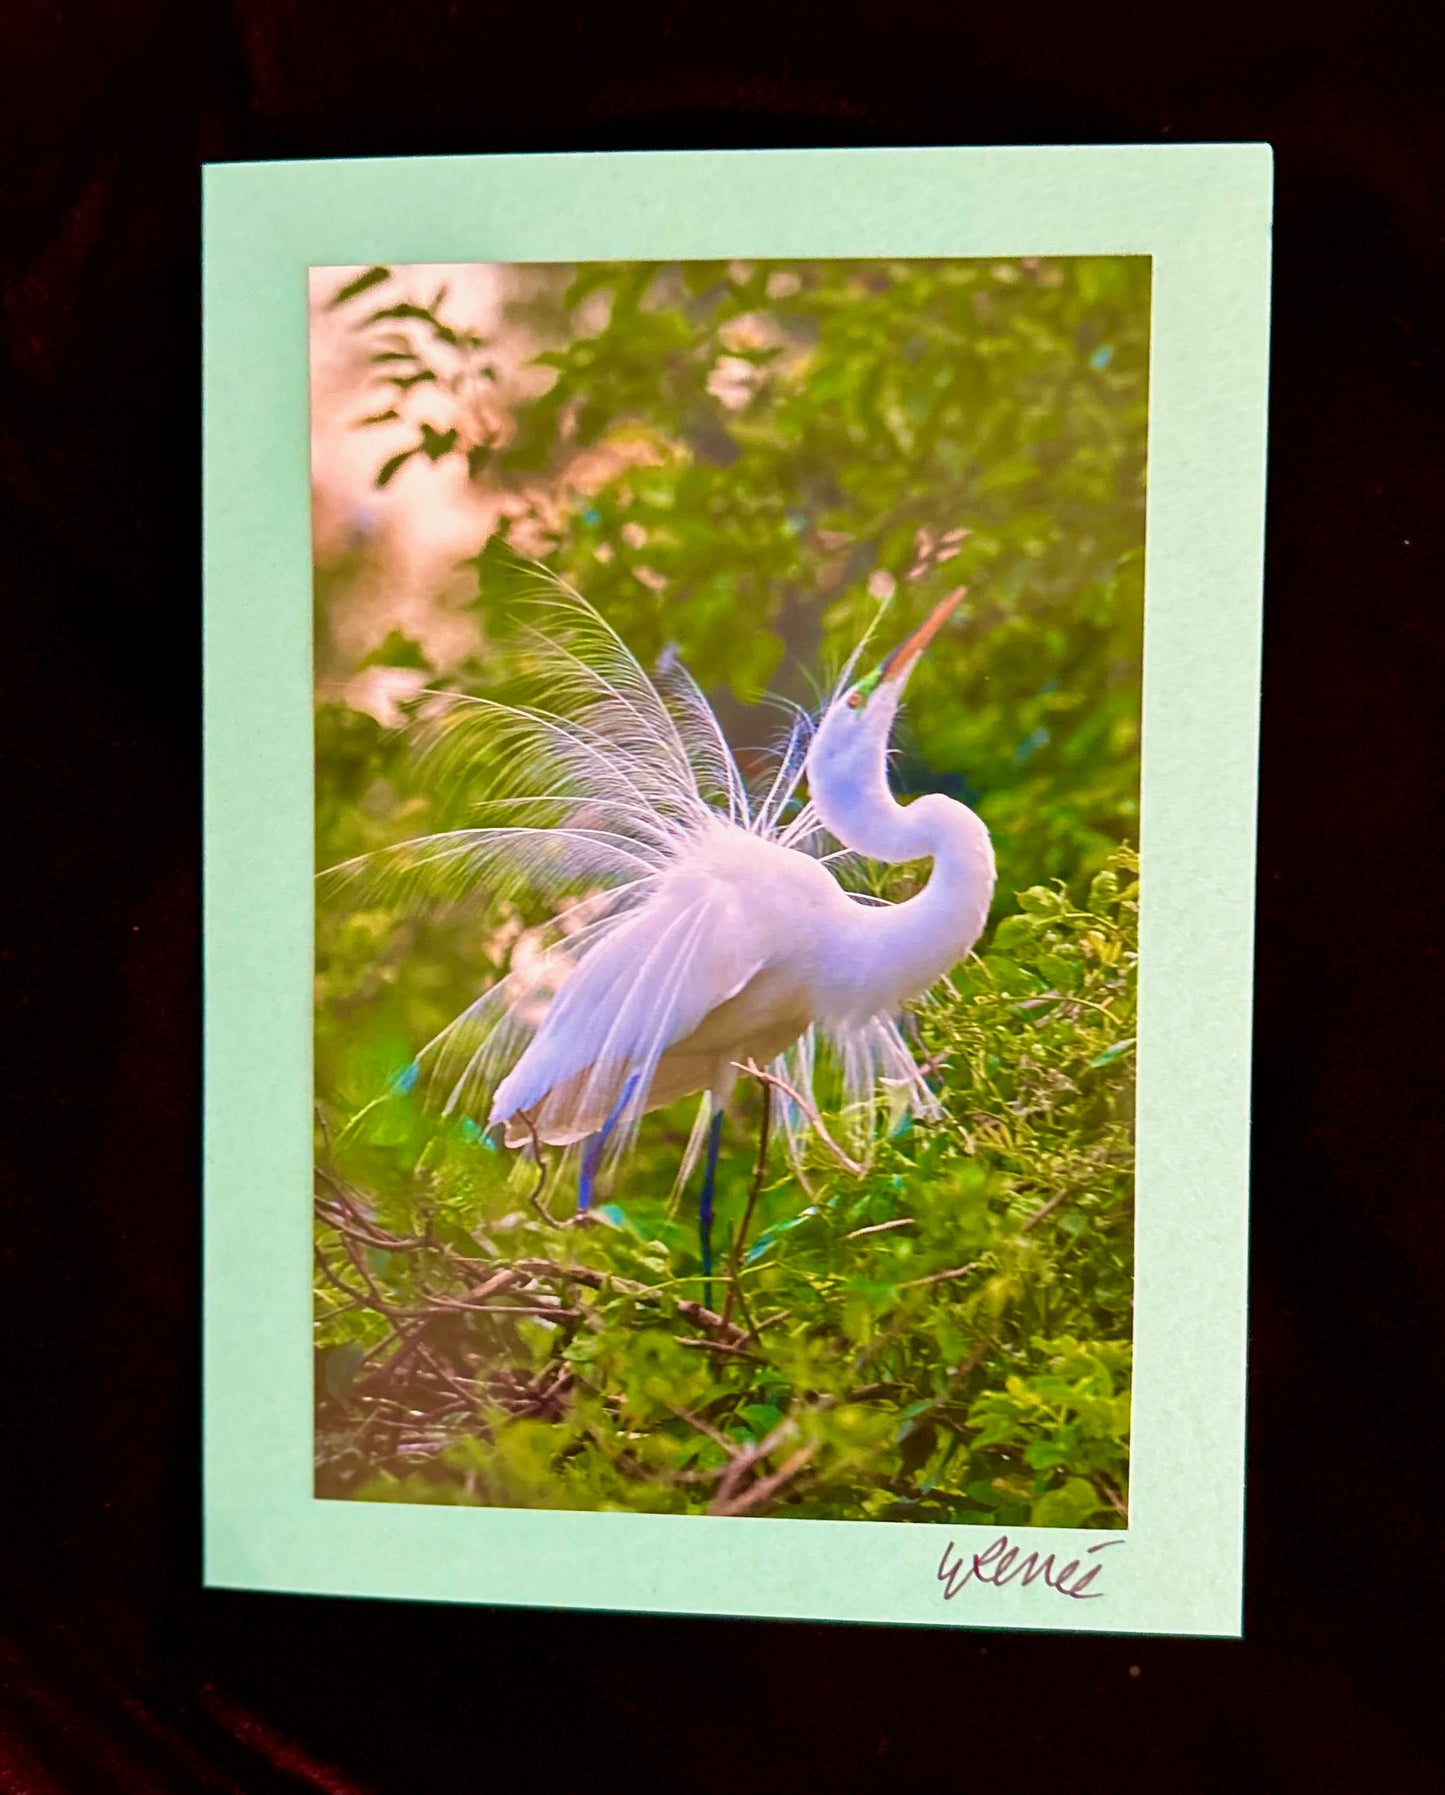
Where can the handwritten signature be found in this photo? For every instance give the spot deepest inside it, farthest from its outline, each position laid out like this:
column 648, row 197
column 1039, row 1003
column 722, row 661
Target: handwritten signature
column 1001, row 1563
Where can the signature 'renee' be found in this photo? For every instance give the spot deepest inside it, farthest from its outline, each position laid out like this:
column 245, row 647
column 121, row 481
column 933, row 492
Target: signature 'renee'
column 1001, row 1563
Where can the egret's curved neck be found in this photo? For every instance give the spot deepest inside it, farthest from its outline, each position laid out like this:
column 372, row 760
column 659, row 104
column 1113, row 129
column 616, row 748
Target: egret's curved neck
column 867, row 818
column 901, row 950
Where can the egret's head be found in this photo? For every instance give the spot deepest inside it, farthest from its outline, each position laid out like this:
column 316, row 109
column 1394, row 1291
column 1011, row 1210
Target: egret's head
column 849, row 752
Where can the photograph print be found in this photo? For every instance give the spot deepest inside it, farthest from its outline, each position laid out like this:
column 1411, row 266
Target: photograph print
column 727, row 775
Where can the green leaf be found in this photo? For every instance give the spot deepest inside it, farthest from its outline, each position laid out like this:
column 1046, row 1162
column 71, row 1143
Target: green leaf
column 1066, row 1507
column 397, row 650
column 403, row 310
column 390, row 469
column 363, row 283
column 1041, row 902
column 436, row 443
column 762, row 1418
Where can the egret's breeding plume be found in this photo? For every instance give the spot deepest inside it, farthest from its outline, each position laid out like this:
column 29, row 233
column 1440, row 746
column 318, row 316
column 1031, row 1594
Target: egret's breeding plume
column 711, row 931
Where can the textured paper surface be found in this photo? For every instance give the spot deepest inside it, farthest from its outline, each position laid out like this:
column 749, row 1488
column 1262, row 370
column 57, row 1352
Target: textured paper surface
column 1202, row 213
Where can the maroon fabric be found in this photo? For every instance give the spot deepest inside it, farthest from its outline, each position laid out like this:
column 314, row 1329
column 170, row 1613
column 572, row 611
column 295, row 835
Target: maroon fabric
column 117, row 1672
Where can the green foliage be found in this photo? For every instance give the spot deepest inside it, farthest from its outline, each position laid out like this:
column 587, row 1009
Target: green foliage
column 947, row 1336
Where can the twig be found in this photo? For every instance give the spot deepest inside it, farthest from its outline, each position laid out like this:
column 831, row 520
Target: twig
column 704, row 1427
column 572, row 1274
column 473, row 1301
column 903, row 1221
column 507, row 1278
column 1115, row 1500
column 956, row 1376
column 534, row 1196
column 378, row 1300
column 359, row 1297
column 559, row 1313
column 766, row 1487
column 737, row 1289
column 373, row 1237
column 740, row 1235
column 810, row 1111
column 408, row 1345
column 939, row 1277
column 738, row 1352
column 392, row 1311
column 743, row 1461
column 372, row 1352
column 468, row 1395
column 368, row 1237
column 546, row 1389
column 708, row 1318
column 347, row 1200
column 1047, row 1210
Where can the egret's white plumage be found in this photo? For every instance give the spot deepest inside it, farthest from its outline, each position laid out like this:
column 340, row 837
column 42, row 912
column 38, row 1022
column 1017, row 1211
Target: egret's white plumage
column 716, row 930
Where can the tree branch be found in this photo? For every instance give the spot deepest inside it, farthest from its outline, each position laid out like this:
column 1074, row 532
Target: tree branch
column 809, row 1109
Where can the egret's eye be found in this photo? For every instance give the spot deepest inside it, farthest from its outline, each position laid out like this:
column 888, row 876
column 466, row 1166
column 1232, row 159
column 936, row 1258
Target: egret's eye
column 855, row 698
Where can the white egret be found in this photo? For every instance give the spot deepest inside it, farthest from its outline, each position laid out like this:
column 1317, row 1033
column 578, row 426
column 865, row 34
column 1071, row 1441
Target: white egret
column 715, row 932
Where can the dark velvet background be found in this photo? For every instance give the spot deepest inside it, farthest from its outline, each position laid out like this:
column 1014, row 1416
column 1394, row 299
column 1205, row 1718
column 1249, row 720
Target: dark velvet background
column 118, row 1671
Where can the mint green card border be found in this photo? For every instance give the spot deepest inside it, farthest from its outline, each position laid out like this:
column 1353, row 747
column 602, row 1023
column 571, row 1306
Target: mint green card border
column 1203, row 214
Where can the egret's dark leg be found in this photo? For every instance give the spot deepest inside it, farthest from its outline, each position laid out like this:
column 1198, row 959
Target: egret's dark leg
column 704, row 1207
column 592, row 1157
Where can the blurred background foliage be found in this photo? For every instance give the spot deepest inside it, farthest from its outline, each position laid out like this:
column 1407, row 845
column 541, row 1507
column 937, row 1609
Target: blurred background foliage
column 740, row 462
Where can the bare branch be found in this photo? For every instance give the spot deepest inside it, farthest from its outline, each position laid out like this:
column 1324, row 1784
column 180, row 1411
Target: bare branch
column 735, row 1288
column 939, row 1277
column 766, row 1487
column 1047, row 1210
column 810, row 1110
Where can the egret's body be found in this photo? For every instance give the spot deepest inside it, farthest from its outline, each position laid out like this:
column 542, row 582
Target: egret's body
column 746, row 915
column 779, row 947
column 720, row 936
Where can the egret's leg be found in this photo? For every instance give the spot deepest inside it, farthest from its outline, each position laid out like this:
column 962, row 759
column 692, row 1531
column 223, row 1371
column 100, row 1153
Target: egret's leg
column 704, row 1207
column 592, row 1157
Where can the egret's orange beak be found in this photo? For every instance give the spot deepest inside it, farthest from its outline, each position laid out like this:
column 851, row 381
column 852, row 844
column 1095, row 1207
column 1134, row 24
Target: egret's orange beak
column 900, row 663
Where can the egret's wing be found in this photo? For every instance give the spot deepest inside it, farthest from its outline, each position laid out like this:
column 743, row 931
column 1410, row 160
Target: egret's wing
column 588, row 774
column 573, row 765
column 460, row 1068
column 789, row 759
column 692, row 1152
column 651, row 984
column 503, row 862
column 661, row 729
column 711, row 759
